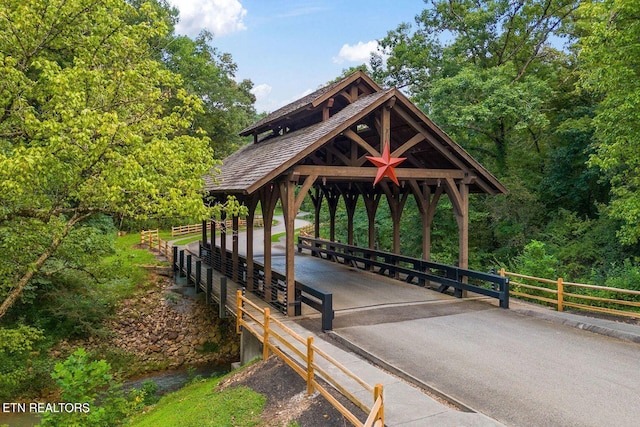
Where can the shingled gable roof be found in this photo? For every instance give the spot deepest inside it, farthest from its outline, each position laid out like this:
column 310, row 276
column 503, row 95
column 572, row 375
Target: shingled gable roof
column 252, row 166
column 255, row 165
column 312, row 100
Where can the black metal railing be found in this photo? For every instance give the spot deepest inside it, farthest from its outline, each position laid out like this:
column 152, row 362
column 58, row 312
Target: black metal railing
column 274, row 292
column 411, row 270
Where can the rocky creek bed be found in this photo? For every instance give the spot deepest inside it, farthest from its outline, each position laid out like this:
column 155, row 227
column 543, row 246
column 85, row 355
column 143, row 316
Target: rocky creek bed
column 165, row 326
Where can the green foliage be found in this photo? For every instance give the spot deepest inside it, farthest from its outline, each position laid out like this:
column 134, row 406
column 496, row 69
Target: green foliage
column 82, row 380
column 610, row 58
column 487, row 85
column 210, row 75
column 21, row 364
column 92, row 124
column 535, row 261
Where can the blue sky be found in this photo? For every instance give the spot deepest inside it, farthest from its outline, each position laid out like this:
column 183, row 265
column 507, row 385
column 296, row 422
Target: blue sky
column 289, row 48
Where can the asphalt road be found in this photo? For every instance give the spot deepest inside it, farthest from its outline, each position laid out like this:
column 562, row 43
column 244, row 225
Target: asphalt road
column 519, row 370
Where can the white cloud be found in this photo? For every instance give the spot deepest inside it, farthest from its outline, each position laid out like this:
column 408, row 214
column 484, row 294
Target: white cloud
column 356, row 53
column 218, row 16
column 261, row 91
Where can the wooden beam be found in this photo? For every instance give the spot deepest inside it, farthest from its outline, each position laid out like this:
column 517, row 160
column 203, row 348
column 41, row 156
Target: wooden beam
column 361, row 142
column 419, row 137
column 335, row 152
column 306, row 186
column 437, row 144
column 370, row 172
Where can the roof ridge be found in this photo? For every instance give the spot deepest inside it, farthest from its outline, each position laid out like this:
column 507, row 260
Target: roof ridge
column 309, row 99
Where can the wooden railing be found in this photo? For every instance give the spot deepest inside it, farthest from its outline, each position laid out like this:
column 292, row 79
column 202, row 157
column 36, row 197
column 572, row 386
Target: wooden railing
column 567, row 294
column 152, row 240
column 272, row 334
column 197, row 228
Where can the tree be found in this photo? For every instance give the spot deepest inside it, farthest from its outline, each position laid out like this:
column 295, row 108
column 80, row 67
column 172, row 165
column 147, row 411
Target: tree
column 477, row 68
column 90, row 123
column 610, row 67
column 209, row 75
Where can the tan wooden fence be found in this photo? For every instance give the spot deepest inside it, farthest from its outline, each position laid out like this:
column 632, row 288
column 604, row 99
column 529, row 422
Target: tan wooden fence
column 272, row 334
column 602, row 299
column 152, row 240
column 181, row 230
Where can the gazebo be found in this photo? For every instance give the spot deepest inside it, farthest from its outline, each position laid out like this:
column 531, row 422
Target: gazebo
column 347, row 140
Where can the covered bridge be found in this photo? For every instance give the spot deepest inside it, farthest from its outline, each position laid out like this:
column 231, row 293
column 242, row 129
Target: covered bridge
column 347, row 140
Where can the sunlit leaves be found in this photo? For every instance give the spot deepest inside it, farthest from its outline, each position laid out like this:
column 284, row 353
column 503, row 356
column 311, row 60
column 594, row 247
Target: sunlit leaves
column 89, row 123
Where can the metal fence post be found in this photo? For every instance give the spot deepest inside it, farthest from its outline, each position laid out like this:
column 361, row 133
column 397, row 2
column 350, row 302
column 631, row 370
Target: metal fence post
column 198, row 276
column 189, row 269
column 222, row 311
column 209, row 284
column 174, row 267
column 327, row 313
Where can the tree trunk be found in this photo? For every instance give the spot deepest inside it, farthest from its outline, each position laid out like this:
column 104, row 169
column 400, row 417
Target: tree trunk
column 16, row 292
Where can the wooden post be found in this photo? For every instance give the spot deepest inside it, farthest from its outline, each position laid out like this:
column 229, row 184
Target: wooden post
column 204, row 233
column 213, row 236
column 317, row 205
column 265, row 341
column 333, row 197
column 289, row 208
column 377, row 393
column 350, row 201
column 223, row 243
column 238, row 311
column 234, row 244
column 310, row 374
column 560, row 294
column 252, row 204
column 463, row 226
column 268, row 200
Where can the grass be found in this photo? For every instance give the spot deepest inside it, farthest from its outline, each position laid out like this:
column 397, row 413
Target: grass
column 276, row 237
column 200, row 405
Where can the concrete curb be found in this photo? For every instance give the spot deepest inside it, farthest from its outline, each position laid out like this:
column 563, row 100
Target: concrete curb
column 603, row 327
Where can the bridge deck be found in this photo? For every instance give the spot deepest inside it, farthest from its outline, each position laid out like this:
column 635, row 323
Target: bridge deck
column 353, row 288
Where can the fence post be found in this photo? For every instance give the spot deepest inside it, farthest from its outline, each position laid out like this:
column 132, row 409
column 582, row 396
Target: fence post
column 265, row 340
column 209, row 284
column 222, row 311
column 238, row 310
column 198, row 275
column 309, row 365
column 181, row 263
column 560, row 294
column 377, row 393
column 188, row 269
column 175, row 260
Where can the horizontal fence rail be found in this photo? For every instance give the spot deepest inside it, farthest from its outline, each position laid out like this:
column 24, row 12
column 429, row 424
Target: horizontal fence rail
column 152, row 240
column 411, row 270
column 197, row 228
column 307, row 360
column 602, row 299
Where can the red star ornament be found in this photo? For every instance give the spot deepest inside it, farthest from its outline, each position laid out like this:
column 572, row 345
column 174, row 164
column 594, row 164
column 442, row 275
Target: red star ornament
column 385, row 165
